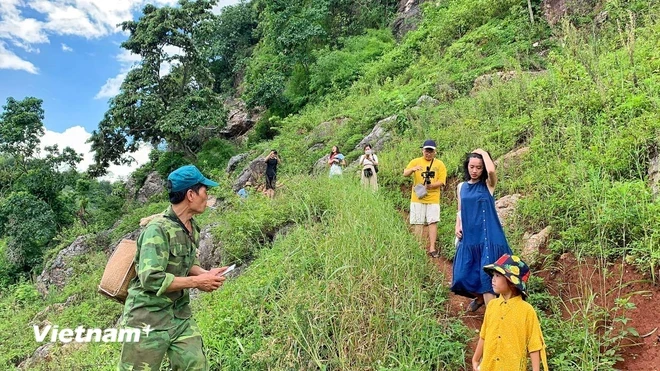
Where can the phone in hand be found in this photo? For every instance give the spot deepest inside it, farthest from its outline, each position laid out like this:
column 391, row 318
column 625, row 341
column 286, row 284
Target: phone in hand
column 229, row 269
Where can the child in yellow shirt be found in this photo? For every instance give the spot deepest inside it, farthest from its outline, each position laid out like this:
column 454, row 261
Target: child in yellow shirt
column 511, row 329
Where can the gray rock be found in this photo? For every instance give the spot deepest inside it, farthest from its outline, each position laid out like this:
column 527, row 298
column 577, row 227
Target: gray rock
column 240, row 119
column 253, row 173
column 427, row 100
column 654, row 176
column 41, row 354
column 379, row 135
column 316, row 147
column 153, row 185
column 532, row 245
column 506, row 207
column 407, row 18
column 512, row 157
column 321, row 165
column 58, row 273
column 208, row 253
column 233, row 162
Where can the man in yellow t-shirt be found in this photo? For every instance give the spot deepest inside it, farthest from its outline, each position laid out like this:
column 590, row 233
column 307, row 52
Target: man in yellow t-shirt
column 429, row 174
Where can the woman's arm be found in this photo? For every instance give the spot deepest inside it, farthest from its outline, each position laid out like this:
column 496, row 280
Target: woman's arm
column 490, row 168
column 459, row 222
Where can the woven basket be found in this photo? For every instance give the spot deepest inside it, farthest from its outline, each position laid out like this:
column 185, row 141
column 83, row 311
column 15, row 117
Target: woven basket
column 119, row 271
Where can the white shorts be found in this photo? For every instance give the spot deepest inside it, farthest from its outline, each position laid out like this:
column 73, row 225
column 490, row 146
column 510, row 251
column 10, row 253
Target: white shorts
column 420, row 213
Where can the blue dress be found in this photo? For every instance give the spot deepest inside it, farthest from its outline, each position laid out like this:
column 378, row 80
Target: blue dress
column 483, row 241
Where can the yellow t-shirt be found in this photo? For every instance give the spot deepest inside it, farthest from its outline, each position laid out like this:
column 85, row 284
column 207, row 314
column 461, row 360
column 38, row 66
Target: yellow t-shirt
column 433, row 196
column 511, row 330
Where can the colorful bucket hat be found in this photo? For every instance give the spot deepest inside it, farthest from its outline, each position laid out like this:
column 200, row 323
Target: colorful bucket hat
column 513, row 268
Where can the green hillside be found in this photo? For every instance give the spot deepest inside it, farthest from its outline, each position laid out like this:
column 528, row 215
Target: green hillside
column 332, row 278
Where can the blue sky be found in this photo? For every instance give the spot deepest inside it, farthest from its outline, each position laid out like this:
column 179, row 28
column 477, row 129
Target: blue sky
column 67, row 53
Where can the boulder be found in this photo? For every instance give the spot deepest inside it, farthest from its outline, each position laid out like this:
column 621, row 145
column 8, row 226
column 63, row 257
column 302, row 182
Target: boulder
column 512, row 157
column 316, row 147
column 252, row 173
column 426, row 100
column 41, row 354
column 240, row 119
column 379, row 135
column 233, row 162
column 532, row 245
column 58, row 273
column 153, row 185
column 506, row 207
column 407, row 18
column 654, row 176
column 321, row 165
column 208, row 253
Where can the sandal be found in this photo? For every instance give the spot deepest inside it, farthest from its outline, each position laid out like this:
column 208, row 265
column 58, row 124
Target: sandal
column 475, row 305
column 434, row 254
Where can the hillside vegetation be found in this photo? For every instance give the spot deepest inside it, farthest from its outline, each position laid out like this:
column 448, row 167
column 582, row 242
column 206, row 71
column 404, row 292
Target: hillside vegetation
column 332, row 279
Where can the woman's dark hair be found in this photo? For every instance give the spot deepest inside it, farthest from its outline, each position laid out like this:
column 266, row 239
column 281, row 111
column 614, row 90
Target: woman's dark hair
column 335, row 152
column 178, row 197
column 367, row 145
column 466, row 172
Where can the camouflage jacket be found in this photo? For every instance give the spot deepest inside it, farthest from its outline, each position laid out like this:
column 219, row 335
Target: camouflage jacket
column 164, row 250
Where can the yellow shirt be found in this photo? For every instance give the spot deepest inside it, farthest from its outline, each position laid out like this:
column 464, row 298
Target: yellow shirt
column 511, row 330
column 433, row 196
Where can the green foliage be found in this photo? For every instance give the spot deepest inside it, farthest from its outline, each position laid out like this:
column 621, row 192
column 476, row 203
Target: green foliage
column 168, row 162
column 21, row 126
column 28, row 224
column 331, row 293
column 215, row 154
column 150, row 107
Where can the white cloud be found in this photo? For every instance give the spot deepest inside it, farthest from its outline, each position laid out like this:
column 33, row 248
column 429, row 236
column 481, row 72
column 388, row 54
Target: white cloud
column 76, row 138
column 84, row 18
column 11, row 61
column 66, row 48
column 217, row 9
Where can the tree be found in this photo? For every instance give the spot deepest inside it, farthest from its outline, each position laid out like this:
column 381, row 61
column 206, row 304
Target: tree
column 20, row 128
column 153, row 105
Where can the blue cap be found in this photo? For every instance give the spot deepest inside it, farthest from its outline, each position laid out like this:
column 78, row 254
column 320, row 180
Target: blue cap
column 186, row 177
column 429, row 143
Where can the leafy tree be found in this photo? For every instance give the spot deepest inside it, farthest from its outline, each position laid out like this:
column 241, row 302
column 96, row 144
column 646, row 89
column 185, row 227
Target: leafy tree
column 154, row 106
column 28, row 224
column 20, row 128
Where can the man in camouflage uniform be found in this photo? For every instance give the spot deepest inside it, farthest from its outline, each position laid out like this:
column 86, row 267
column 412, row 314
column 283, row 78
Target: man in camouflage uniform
column 167, row 266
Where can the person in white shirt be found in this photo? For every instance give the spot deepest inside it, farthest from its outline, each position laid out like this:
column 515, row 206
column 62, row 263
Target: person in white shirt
column 369, row 163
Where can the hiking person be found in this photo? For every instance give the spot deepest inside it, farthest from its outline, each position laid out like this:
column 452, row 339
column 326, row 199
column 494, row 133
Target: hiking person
column 336, row 161
column 369, row 163
column 272, row 160
column 480, row 235
column 429, row 174
column 166, row 262
column 511, row 330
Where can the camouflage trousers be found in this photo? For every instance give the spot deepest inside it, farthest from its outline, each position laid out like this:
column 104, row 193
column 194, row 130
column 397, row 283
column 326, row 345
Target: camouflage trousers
column 182, row 343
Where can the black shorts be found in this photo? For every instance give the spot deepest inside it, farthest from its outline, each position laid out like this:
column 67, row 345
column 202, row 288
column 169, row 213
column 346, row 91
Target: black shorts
column 270, row 181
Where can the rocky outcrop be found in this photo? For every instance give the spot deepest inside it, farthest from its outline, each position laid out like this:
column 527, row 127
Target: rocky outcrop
column 506, row 207
column 654, row 176
column 321, row 165
column 426, row 100
column 379, row 135
column 407, row 18
column 59, row 272
column 511, row 158
column 555, row 10
column 233, row 162
column 252, row 173
column 153, row 185
column 42, row 354
column 240, row 119
column 208, row 253
column 533, row 244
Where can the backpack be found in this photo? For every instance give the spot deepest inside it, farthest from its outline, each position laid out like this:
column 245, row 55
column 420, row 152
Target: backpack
column 119, row 271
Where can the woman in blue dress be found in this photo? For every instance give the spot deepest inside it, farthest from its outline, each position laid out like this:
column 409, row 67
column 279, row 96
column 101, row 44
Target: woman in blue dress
column 481, row 239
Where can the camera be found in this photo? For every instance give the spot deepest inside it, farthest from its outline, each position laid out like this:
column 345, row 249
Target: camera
column 428, row 175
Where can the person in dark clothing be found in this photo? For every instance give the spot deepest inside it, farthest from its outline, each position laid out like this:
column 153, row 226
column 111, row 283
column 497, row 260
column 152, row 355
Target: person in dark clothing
column 272, row 160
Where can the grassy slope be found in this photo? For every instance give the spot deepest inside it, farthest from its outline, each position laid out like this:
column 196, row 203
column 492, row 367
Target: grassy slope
column 329, row 294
